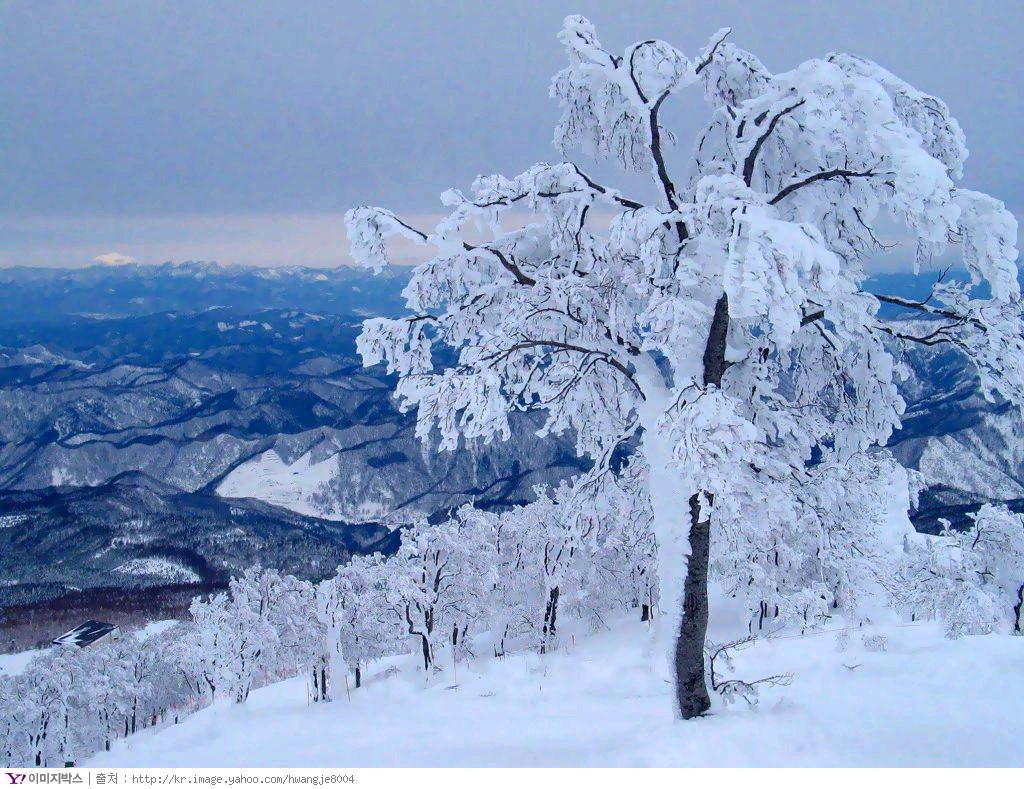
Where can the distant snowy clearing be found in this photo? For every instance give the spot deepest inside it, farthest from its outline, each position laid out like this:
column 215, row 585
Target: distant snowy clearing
column 271, row 479
column 926, row 701
column 172, row 572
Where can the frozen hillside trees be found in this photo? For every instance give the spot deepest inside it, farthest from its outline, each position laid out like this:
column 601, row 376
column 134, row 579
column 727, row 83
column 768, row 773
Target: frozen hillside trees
column 439, row 582
column 586, row 547
column 354, row 622
column 724, row 323
column 971, row 580
column 70, row 702
column 263, row 620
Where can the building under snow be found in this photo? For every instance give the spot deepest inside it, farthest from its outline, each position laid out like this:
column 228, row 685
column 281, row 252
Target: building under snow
column 90, row 633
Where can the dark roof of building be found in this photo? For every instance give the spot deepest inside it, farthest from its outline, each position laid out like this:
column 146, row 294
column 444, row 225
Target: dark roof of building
column 86, row 633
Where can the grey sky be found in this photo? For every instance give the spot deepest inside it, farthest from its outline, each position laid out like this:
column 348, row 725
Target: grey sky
column 240, row 131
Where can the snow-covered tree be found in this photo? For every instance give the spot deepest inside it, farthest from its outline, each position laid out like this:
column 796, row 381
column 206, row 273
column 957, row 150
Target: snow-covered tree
column 828, row 545
column 585, row 547
column 354, row 621
column 55, row 707
column 971, row 580
column 236, row 643
column 15, row 714
column 440, row 581
column 544, row 542
column 996, row 545
column 192, row 669
column 618, row 564
column 726, row 322
column 70, row 701
column 126, row 677
column 290, row 606
column 327, row 647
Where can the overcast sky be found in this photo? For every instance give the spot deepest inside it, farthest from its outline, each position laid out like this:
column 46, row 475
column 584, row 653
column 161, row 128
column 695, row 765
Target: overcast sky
column 241, row 132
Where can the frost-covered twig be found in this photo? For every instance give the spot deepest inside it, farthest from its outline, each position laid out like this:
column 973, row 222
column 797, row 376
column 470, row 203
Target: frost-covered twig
column 732, row 689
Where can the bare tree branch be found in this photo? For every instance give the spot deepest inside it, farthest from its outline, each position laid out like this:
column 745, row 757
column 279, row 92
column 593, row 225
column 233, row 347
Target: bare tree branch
column 825, row 175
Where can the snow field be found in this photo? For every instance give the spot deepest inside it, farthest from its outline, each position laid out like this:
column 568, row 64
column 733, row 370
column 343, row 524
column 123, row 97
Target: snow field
column 605, row 700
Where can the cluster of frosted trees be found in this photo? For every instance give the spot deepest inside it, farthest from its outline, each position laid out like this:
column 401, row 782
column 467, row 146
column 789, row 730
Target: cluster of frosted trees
column 468, row 585
column 480, row 584
column 477, row 583
column 972, row 580
column 70, row 702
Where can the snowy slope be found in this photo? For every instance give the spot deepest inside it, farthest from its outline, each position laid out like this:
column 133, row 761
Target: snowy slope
column 598, row 702
column 15, row 663
column 291, row 485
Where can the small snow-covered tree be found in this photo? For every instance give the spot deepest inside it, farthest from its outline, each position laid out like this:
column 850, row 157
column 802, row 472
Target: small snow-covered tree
column 996, row 545
column 327, row 647
column 972, row 580
column 586, row 547
column 57, row 689
column 539, row 547
column 16, row 748
column 728, row 321
column 828, row 545
column 618, row 561
column 291, row 614
column 236, row 643
column 514, row 597
column 355, row 622
column 193, row 670
column 122, row 682
column 592, row 547
column 440, row 580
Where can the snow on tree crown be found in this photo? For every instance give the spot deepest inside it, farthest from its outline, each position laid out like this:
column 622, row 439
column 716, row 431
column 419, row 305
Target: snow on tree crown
column 766, row 238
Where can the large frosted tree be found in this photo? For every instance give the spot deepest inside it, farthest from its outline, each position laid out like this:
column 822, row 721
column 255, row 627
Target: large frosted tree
column 725, row 324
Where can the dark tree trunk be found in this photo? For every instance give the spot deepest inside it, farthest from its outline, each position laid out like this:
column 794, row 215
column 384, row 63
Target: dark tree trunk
column 359, row 676
column 425, row 646
column 691, row 681
column 1017, row 624
column 320, row 689
column 645, row 613
column 550, row 619
column 691, row 684
column 499, row 649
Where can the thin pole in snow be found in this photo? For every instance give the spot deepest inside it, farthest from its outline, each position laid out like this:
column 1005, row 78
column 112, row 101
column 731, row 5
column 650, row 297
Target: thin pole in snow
column 347, row 692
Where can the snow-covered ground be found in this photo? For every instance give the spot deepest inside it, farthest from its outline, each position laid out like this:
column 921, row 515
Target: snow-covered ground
column 14, row 663
column 605, row 701
column 172, row 572
column 270, row 478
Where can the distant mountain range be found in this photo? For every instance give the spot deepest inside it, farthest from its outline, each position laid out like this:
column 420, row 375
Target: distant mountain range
column 53, row 295
column 174, row 424
column 235, row 424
